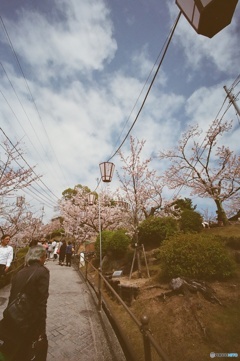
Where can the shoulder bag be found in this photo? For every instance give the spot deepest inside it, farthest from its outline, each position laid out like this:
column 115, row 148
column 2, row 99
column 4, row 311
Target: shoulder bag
column 18, row 313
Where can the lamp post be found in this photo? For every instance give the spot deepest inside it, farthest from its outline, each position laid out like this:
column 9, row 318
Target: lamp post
column 106, row 169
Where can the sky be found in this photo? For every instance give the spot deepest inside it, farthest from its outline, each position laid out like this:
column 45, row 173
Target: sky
column 73, row 76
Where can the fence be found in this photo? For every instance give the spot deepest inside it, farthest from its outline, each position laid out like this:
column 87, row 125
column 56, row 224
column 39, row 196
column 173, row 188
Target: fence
column 148, row 340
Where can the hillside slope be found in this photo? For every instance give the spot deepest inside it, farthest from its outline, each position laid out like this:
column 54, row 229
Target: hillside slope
column 187, row 325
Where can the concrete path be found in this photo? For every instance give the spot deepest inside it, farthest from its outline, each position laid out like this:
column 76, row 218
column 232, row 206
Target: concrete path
column 76, row 330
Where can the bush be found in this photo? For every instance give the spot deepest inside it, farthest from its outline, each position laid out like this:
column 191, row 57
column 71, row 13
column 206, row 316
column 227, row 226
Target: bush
column 153, row 230
column 113, row 242
column 196, row 256
column 119, row 243
column 190, row 221
column 230, row 241
column 105, row 236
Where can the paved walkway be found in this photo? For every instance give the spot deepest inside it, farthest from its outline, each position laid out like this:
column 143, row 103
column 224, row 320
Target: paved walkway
column 76, row 330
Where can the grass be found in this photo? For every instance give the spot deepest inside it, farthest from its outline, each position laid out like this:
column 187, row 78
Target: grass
column 228, row 231
column 226, row 322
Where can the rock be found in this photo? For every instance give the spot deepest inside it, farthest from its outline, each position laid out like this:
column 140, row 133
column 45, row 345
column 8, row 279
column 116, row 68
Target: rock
column 176, row 283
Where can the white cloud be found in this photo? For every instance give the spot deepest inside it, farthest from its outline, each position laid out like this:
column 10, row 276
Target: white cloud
column 81, row 42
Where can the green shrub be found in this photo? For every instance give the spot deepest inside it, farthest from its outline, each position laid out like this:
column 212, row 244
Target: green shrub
column 153, row 230
column 119, row 243
column 196, row 256
column 232, row 242
column 105, row 236
column 113, row 242
column 190, row 221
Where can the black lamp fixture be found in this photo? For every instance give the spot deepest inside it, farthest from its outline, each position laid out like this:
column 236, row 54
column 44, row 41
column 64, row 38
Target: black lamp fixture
column 208, row 17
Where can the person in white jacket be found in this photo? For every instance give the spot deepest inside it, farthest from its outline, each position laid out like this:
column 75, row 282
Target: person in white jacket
column 56, row 251
column 6, row 254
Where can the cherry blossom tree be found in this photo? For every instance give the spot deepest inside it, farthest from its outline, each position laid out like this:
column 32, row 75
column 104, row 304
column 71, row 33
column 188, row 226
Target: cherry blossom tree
column 14, row 175
column 54, row 226
column 140, row 187
column 209, row 169
column 82, row 220
column 19, row 223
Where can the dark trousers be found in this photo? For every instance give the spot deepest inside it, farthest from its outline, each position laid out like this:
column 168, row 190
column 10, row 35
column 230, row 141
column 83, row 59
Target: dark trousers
column 2, row 270
column 61, row 257
column 68, row 259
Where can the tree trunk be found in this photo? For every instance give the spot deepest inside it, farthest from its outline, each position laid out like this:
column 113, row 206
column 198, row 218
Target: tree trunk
column 221, row 214
column 139, row 268
column 139, row 263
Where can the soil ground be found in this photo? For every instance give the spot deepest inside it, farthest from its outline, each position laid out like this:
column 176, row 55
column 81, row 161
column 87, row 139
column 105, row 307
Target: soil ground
column 187, row 326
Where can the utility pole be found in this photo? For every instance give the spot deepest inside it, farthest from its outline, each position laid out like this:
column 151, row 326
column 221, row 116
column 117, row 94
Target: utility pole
column 232, row 99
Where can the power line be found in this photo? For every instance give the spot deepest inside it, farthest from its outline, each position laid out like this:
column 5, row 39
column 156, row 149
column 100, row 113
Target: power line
column 32, row 98
column 166, row 44
column 10, row 107
column 12, row 86
column 23, row 189
column 150, row 86
column 41, row 196
column 28, row 164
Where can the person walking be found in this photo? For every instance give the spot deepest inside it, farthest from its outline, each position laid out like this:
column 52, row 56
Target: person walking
column 69, row 252
column 6, row 255
column 50, row 250
column 17, row 345
column 62, row 252
column 54, row 243
column 56, row 252
column 45, row 245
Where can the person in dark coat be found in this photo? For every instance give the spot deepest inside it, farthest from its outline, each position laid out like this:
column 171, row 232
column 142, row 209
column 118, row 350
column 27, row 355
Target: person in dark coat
column 62, row 253
column 16, row 347
column 69, row 252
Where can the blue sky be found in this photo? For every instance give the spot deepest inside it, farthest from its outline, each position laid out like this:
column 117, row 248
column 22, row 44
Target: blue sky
column 85, row 64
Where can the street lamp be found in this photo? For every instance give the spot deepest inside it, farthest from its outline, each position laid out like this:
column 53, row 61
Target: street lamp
column 91, row 199
column 106, row 169
column 208, row 17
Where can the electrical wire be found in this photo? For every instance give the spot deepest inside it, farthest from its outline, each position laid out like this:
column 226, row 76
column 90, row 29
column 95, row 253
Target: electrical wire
column 21, row 156
column 31, row 96
column 19, row 100
column 10, row 107
column 135, row 104
column 150, row 86
column 41, row 197
column 165, row 46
